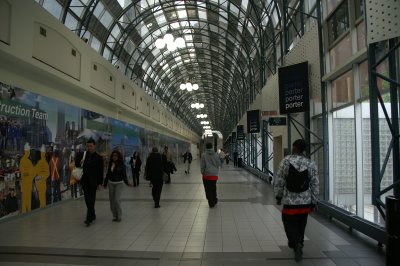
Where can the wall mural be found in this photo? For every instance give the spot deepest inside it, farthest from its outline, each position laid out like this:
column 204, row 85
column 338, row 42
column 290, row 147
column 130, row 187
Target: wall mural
column 39, row 138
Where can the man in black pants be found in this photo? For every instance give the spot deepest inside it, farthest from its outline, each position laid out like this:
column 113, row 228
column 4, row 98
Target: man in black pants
column 92, row 177
column 209, row 167
column 235, row 159
column 154, row 172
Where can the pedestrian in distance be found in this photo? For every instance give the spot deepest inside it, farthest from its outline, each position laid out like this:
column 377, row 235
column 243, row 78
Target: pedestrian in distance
column 136, row 165
column 235, row 158
column 296, row 187
column 92, row 177
column 154, row 172
column 187, row 160
column 209, row 167
column 115, row 177
column 167, row 164
column 221, row 157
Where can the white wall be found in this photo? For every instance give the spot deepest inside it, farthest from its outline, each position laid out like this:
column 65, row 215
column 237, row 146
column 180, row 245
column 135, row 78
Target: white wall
column 40, row 54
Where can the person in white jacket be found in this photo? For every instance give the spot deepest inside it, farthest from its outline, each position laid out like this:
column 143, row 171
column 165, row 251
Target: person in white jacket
column 297, row 187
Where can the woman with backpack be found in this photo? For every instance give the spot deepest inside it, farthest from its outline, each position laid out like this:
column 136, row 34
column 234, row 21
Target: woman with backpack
column 297, row 187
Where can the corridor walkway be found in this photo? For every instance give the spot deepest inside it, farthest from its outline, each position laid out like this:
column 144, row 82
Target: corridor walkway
column 245, row 228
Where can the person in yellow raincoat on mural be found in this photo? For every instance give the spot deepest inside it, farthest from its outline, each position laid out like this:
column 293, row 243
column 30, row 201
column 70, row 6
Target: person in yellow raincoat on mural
column 27, row 176
column 43, row 172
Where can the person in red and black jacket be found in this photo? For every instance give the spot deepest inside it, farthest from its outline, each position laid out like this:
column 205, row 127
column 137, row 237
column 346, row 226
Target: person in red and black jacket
column 298, row 198
column 209, row 167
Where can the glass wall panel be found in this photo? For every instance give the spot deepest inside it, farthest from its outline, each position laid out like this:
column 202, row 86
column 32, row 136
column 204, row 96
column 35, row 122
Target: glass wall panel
column 343, row 90
column 331, row 5
column 385, row 138
column 344, row 161
column 53, row 7
column 364, row 83
column 371, row 213
column 338, row 22
column 340, row 53
column 361, row 35
column 317, row 152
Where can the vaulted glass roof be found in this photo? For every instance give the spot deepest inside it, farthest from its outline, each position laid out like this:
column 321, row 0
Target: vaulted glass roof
column 227, row 47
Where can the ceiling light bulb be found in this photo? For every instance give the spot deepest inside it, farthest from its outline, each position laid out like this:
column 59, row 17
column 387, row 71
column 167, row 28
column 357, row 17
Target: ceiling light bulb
column 171, row 47
column 160, row 43
column 195, row 87
column 189, row 85
column 189, row 89
column 180, row 42
column 201, row 105
column 182, row 87
column 168, row 38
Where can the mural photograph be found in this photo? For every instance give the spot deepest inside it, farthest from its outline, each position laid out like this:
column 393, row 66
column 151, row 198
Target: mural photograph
column 39, row 138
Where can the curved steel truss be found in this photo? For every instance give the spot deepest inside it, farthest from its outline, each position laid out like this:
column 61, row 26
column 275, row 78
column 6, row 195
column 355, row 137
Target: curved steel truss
column 224, row 53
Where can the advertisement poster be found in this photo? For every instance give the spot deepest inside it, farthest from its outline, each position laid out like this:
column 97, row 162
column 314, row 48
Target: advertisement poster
column 233, row 137
column 293, row 88
column 39, row 138
column 240, row 132
column 253, row 121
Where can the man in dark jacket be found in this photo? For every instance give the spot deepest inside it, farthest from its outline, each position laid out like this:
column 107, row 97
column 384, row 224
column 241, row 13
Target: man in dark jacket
column 92, row 178
column 154, row 172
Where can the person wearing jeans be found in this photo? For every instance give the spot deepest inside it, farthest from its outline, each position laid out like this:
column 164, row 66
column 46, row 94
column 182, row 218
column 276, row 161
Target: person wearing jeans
column 116, row 176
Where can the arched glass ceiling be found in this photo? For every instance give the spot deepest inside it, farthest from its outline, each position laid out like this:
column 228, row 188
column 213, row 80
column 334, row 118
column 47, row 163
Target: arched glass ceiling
column 225, row 49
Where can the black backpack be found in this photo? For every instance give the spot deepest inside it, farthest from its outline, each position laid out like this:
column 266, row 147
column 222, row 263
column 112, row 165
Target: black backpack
column 297, row 181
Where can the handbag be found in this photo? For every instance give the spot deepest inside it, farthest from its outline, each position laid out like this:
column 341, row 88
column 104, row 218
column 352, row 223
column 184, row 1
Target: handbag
column 78, row 171
column 165, row 177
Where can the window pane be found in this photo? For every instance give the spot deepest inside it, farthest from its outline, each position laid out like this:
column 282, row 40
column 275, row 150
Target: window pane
column 338, row 23
column 343, row 90
column 332, row 4
column 370, row 211
column 340, row 53
column 364, row 82
column 361, row 35
column 70, row 22
column 53, row 7
column 359, row 8
column 344, row 160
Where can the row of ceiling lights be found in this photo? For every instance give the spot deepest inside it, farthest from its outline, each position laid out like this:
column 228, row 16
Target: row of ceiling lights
column 189, row 87
column 172, row 45
column 168, row 40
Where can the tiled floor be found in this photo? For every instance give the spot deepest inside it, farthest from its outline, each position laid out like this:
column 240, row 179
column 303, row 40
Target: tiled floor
column 245, row 228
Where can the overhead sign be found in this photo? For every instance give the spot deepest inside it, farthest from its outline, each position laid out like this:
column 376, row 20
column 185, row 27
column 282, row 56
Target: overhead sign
column 240, row 132
column 277, row 121
column 253, row 121
column 293, row 89
column 266, row 114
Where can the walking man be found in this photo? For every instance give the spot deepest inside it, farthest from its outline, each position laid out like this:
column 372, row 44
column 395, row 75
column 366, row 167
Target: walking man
column 92, row 177
column 297, row 186
column 209, row 167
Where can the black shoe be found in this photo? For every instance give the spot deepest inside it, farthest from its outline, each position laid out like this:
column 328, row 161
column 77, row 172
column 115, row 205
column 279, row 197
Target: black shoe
column 157, row 206
column 185, row 172
column 115, row 219
column 87, row 222
column 298, row 252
